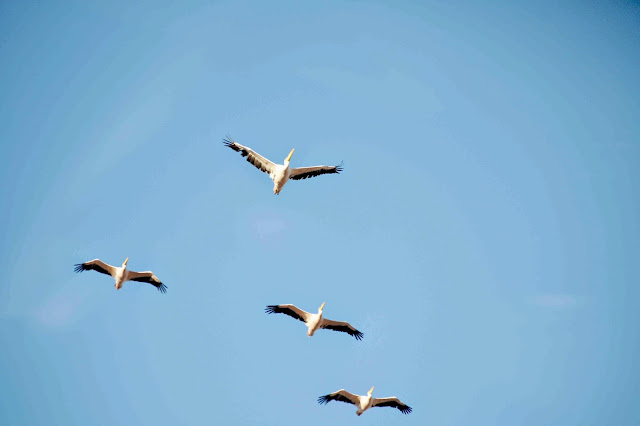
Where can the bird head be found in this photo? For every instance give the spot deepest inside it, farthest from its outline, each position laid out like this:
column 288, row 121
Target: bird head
column 370, row 391
column 321, row 307
column 286, row 160
column 125, row 262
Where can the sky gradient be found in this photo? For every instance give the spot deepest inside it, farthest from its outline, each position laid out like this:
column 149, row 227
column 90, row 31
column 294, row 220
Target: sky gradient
column 483, row 235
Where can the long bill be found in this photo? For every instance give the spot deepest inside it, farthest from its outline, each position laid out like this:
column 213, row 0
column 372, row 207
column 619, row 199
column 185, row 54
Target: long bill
column 289, row 156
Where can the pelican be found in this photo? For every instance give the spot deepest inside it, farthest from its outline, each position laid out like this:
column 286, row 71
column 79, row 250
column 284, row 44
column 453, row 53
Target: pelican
column 280, row 173
column 314, row 321
column 364, row 402
column 121, row 274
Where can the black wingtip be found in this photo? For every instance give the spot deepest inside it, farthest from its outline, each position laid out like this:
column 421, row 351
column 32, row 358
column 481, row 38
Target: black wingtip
column 359, row 335
column 271, row 309
column 406, row 410
column 78, row 267
column 323, row 399
column 162, row 288
column 228, row 141
column 340, row 167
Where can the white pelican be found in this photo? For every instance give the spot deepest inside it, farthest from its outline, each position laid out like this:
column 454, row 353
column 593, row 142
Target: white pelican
column 364, row 402
column 280, row 173
column 314, row 321
column 121, row 274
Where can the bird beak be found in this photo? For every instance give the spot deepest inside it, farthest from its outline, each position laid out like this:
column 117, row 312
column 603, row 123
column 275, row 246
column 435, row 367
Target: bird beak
column 289, row 156
column 322, row 306
column 125, row 261
column 371, row 390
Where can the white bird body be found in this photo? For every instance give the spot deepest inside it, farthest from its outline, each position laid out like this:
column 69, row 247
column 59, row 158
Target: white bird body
column 120, row 277
column 364, row 402
column 121, row 274
column 314, row 322
column 280, row 173
column 280, row 176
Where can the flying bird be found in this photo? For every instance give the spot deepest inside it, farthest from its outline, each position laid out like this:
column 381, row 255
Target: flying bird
column 364, row 402
column 280, row 173
column 121, row 274
column 314, row 321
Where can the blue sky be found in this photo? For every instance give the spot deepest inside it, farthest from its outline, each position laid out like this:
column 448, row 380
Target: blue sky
column 483, row 235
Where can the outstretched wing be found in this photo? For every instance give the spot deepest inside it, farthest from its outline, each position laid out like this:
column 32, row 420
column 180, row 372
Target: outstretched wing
column 345, row 327
column 291, row 310
column 147, row 277
column 307, row 172
column 253, row 157
column 391, row 402
column 96, row 265
column 341, row 395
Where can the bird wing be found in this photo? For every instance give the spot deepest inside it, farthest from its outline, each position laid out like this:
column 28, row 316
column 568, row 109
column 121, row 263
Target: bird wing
column 147, row 277
column 345, row 327
column 253, row 157
column 341, row 395
column 291, row 310
column 96, row 265
column 307, row 172
column 391, row 402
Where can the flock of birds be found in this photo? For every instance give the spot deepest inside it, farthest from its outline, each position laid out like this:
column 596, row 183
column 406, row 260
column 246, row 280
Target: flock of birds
column 280, row 174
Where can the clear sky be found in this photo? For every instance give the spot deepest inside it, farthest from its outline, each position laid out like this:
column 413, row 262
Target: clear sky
column 484, row 234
